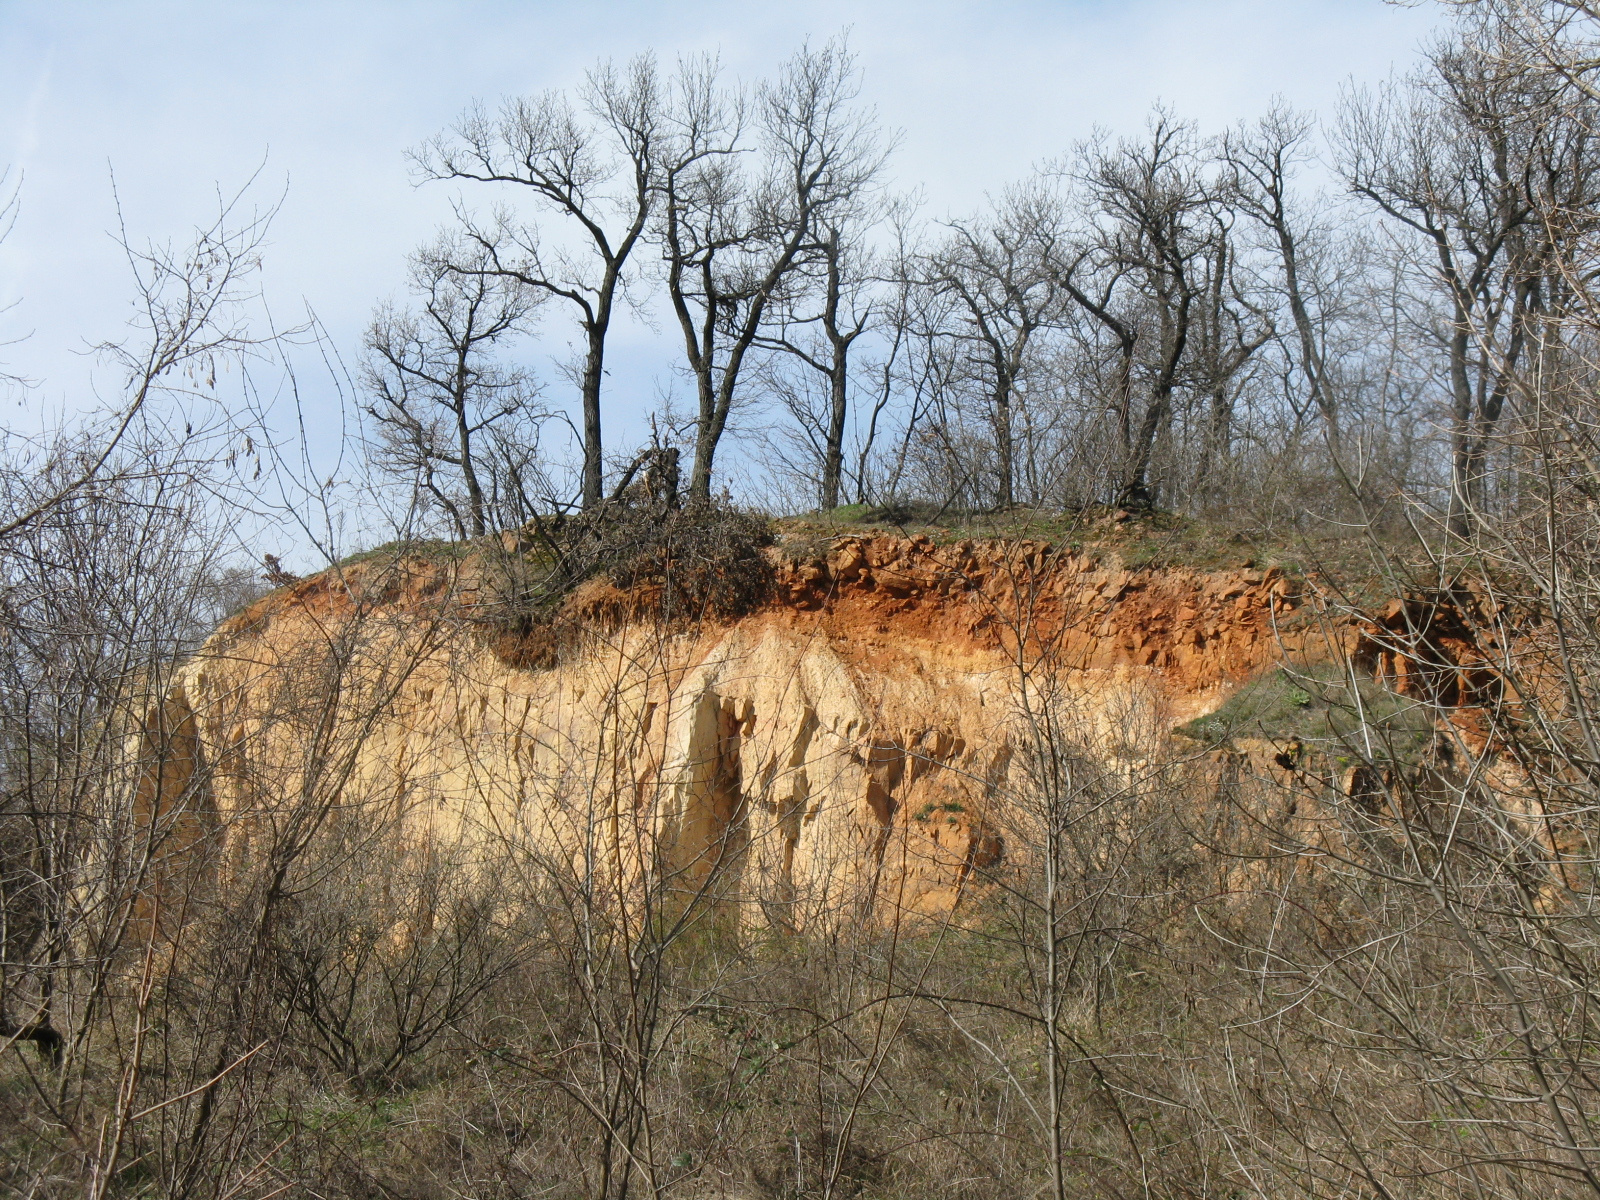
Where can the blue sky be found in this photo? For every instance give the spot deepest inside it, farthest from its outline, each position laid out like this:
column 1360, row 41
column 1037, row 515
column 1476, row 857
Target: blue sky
column 179, row 97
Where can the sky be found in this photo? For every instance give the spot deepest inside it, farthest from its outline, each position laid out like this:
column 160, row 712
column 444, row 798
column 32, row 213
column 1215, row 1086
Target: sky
column 176, row 100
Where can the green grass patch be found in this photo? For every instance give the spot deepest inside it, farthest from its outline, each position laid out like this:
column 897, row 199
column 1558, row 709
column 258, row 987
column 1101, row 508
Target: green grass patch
column 433, row 549
column 1138, row 541
column 1320, row 706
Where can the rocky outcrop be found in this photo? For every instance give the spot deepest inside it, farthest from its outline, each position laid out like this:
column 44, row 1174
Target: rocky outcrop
column 852, row 744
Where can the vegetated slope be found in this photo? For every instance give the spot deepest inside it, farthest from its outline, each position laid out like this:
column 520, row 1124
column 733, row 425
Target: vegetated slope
column 850, row 736
column 810, row 852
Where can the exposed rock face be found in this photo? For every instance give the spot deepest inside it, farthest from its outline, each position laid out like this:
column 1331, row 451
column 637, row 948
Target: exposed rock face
column 852, row 744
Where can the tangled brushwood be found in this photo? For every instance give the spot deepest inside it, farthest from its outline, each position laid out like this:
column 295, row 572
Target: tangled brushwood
column 703, row 563
column 675, row 566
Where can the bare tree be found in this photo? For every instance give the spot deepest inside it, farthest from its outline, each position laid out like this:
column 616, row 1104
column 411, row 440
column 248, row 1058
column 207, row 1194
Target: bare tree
column 818, row 330
column 1263, row 160
column 732, row 239
column 1151, row 205
column 436, row 390
column 1003, row 275
column 599, row 171
column 1462, row 161
column 1232, row 324
column 113, row 543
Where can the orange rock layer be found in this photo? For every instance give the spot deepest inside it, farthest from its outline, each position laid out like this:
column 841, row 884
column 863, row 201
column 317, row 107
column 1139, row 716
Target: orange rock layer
column 861, row 740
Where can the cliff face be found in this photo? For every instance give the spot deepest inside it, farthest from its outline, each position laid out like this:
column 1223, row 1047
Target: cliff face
column 853, row 743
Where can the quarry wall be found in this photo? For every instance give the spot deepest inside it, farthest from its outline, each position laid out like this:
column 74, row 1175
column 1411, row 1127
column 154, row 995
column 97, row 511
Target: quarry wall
column 856, row 742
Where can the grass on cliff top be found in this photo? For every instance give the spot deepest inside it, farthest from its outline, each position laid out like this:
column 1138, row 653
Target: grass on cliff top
column 430, row 549
column 1319, row 706
column 630, row 545
column 1152, row 540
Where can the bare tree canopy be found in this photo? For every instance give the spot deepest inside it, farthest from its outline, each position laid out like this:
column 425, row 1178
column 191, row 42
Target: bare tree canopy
column 437, row 393
column 596, row 168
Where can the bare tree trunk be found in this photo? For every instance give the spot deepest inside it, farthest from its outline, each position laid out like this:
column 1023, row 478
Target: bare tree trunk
column 594, row 371
column 838, row 377
column 1004, row 446
column 1174, row 339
